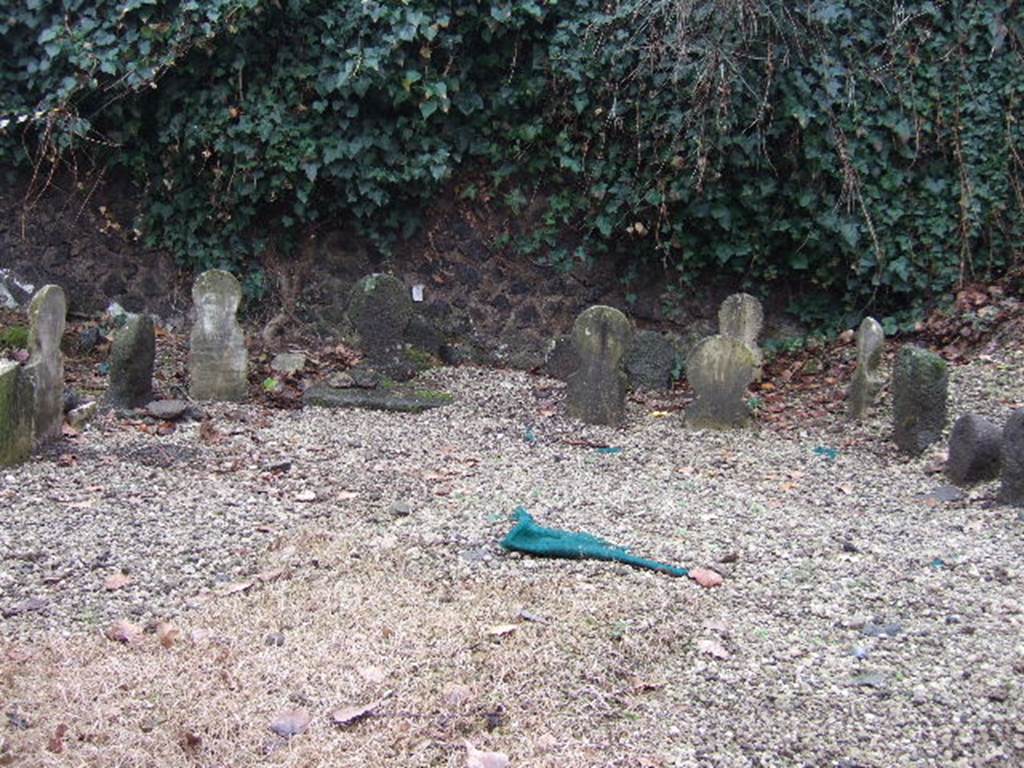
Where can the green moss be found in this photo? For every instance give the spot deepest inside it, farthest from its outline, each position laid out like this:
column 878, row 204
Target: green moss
column 15, row 337
column 435, row 395
column 421, row 359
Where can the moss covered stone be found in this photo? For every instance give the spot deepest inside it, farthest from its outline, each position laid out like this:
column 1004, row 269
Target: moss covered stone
column 720, row 369
column 920, row 388
column 380, row 309
column 15, row 414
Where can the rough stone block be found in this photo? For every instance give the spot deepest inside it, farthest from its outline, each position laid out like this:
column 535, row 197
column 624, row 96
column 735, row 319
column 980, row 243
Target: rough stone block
column 131, row 363
column 920, row 387
column 15, row 414
column 975, row 450
column 47, row 313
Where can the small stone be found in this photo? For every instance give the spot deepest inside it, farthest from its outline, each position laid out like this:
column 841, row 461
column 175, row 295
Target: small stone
column 870, row 680
column 82, row 415
column 401, row 509
column 881, row 630
column 975, row 450
column 340, row 380
column 218, row 360
column 30, row 605
column 998, row 693
column 131, row 363
column 365, row 378
column 596, row 391
column 167, row 410
column 868, row 378
column 920, row 386
column 288, row 363
column 720, row 369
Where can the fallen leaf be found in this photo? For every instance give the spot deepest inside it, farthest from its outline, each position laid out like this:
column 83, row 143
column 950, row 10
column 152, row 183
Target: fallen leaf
column 68, row 431
column 712, row 648
column 306, row 495
column 502, row 630
column 706, row 577
column 352, row 715
column 166, row 428
column 346, row 495
column 291, row 723
column 56, row 742
column 272, row 575
column 167, row 633
column 209, row 434
column 477, row 759
column 123, row 631
column 233, row 588
column 117, row 581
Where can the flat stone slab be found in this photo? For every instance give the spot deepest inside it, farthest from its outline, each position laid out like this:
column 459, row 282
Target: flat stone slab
column 168, row 410
column 395, row 399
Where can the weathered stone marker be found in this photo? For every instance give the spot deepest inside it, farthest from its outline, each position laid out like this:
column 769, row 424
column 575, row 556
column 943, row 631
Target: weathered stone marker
column 920, row 385
column 975, row 450
column 596, row 391
column 380, row 309
column 720, row 369
column 868, row 378
column 1011, row 490
column 741, row 317
column 45, row 367
column 131, row 363
column 218, row 360
column 15, row 414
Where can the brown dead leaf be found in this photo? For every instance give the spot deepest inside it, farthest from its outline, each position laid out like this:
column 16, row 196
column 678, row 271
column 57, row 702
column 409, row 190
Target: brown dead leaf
column 56, row 742
column 167, row 633
column 478, row 759
column 351, row 715
column 706, row 577
column 123, row 631
column 68, row 431
column 166, row 428
column 291, row 722
column 117, row 581
column 209, row 434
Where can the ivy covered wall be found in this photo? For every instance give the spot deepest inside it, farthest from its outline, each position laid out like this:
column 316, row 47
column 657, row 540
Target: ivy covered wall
column 869, row 149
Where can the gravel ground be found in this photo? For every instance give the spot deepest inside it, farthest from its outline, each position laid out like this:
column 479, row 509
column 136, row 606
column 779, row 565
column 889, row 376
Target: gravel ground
column 864, row 620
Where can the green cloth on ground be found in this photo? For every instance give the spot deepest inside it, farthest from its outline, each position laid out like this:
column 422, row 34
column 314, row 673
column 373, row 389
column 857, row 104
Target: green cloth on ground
column 535, row 539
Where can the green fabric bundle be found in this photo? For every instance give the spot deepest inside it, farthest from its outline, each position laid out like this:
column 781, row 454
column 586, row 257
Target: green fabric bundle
column 535, row 539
